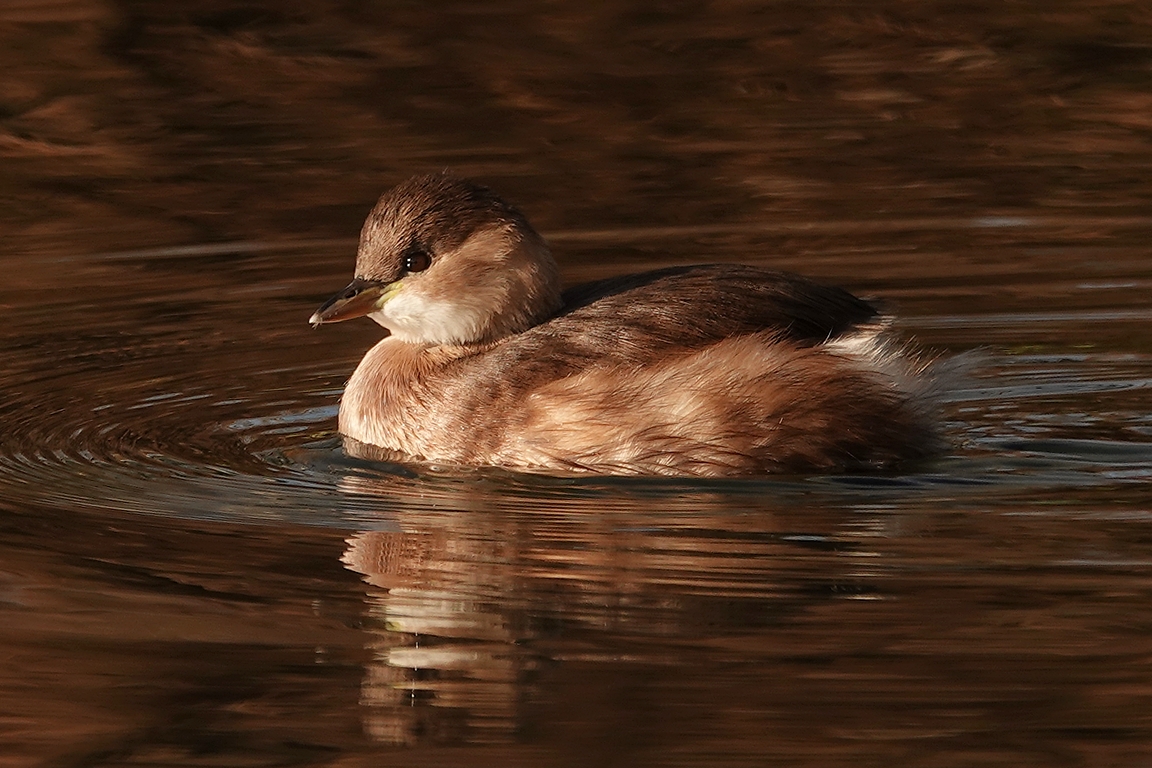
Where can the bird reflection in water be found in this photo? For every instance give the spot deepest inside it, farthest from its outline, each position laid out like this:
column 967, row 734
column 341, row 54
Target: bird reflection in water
column 478, row 598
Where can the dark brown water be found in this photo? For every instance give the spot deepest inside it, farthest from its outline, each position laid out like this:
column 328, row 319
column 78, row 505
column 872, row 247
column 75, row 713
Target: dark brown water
column 193, row 573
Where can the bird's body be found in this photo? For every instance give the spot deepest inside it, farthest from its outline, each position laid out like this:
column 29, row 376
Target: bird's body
column 702, row 371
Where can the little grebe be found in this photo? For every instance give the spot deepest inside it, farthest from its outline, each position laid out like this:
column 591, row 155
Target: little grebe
column 705, row 370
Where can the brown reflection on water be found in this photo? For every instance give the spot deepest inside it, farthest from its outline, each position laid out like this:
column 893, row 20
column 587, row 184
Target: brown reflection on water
column 130, row 641
column 573, row 631
column 125, row 124
column 755, row 630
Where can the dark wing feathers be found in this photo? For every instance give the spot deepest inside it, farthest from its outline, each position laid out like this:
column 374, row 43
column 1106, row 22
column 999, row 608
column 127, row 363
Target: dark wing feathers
column 702, row 304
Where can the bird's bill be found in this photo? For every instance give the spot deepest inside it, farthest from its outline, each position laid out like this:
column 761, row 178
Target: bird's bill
column 359, row 298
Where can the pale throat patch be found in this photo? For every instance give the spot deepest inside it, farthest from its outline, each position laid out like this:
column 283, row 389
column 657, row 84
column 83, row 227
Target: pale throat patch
column 414, row 318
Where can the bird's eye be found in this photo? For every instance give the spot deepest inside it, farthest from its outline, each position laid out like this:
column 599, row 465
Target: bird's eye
column 416, row 260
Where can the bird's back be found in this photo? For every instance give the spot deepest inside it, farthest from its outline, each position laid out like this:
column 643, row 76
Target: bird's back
column 687, row 306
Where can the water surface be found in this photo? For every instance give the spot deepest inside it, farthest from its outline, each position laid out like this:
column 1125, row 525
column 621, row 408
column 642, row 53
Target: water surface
column 193, row 572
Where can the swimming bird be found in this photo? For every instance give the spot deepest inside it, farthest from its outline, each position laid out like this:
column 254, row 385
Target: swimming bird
column 710, row 370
